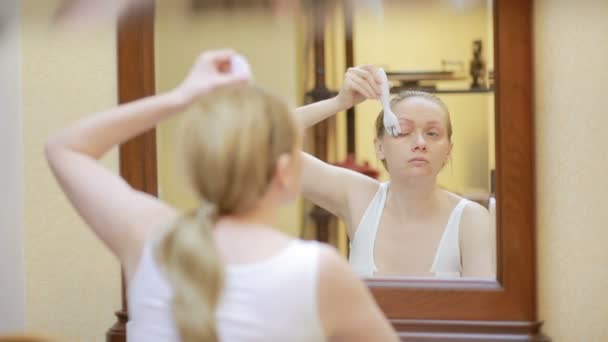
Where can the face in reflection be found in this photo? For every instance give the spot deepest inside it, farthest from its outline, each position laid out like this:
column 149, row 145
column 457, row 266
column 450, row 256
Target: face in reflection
column 424, row 145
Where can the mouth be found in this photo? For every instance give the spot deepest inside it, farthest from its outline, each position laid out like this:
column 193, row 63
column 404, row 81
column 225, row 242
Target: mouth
column 418, row 160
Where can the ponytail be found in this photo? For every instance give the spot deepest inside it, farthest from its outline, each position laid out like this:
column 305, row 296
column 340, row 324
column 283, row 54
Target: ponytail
column 231, row 141
column 192, row 264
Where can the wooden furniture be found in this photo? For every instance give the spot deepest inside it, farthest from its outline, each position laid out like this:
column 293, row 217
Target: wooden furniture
column 421, row 309
column 322, row 218
column 135, row 53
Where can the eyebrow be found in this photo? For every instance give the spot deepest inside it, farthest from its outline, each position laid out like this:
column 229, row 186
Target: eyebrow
column 411, row 122
column 434, row 122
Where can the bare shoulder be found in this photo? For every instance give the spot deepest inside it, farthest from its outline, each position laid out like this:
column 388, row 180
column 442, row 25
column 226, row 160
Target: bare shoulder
column 347, row 309
column 336, row 277
column 368, row 187
column 331, row 263
column 336, row 189
column 475, row 210
column 472, row 211
column 476, row 215
column 157, row 219
column 363, row 191
column 476, row 221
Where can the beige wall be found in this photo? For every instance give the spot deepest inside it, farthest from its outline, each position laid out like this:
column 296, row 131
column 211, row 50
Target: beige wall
column 571, row 71
column 268, row 42
column 12, row 300
column 72, row 281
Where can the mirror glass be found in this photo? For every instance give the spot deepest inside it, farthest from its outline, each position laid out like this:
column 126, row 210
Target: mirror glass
column 434, row 214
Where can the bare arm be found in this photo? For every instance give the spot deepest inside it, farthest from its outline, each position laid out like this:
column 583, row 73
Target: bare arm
column 359, row 84
column 477, row 243
column 329, row 186
column 119, row 215
column 314, row 113
column 347, row 309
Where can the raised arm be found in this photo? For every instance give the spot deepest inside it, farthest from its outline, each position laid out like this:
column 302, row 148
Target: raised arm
column 329, row 186
column 119, row 215
column 359, row 84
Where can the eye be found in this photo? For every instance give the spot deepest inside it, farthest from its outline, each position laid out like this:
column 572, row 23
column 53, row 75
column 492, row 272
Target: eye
column 404, row 134
column 405, row 130
column 433, row 134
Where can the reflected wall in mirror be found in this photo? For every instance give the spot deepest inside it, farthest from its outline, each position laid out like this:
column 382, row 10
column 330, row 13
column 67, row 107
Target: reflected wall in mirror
column 435, row 218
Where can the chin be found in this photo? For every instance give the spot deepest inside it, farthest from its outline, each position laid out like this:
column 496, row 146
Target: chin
column 417, row 172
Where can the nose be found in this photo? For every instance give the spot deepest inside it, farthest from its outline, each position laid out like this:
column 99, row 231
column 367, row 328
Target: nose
column 419, row 143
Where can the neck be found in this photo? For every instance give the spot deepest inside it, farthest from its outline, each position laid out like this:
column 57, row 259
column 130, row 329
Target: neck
column 262, row 215
column 415, row 195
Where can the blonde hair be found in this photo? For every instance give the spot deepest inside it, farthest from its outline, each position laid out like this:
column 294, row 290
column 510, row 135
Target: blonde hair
column 408, row 94
column 231, row 144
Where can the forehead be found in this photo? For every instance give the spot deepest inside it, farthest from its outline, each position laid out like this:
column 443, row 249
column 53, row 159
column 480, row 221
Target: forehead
column 420, row 110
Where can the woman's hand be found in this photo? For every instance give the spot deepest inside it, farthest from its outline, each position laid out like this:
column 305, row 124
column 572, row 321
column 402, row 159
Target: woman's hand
column 211, row 70
column 360, row 83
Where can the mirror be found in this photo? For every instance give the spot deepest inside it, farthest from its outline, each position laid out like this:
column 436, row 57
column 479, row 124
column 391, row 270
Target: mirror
column 447, row 227
column 410, row 40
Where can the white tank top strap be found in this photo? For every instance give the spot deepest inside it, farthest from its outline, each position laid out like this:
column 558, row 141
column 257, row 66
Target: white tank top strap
column 448, row 262
column 361, row 256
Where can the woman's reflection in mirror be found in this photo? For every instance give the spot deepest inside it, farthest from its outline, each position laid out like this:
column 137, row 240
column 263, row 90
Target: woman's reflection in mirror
column 407, row 226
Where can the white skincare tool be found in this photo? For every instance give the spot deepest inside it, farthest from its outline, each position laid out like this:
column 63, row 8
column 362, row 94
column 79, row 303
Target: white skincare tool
column 391, row 123
column 239, row 66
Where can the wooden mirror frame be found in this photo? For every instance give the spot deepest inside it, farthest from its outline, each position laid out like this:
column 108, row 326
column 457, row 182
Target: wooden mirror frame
column 429, row 310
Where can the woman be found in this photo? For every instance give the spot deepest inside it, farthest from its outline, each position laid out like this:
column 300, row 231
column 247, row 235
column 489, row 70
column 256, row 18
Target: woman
column 409, row 225
column 220, row 272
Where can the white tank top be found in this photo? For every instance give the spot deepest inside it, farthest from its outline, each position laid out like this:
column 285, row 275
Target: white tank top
column 447, row 263
column 272, row 300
